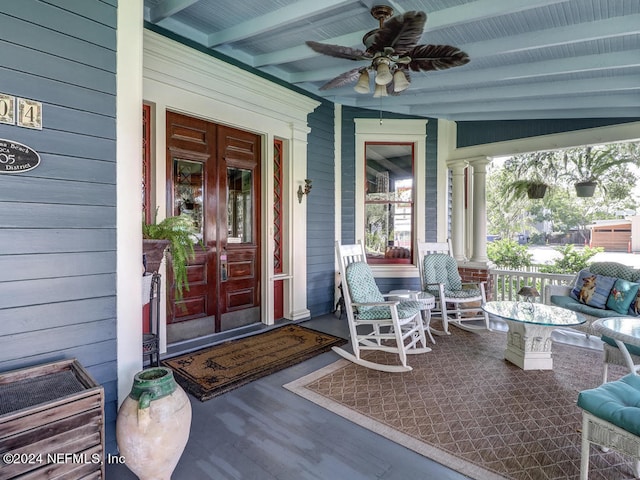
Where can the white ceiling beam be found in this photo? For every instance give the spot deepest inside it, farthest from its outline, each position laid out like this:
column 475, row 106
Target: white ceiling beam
column 411, row 96
column 567, row 35
column 609, row 28
column 167, row 8
column 540, row 114
column 469, row 12
column 183, row 30
column 302, row 52
column 560, row 103
column 473, row 11
column 463, row 77
column 274, row 20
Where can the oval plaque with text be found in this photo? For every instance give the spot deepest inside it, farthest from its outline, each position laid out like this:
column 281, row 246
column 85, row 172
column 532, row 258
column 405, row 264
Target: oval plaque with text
column 16, row 157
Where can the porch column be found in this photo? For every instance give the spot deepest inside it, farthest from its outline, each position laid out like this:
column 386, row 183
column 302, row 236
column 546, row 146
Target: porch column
column 479, row 243
column 457, row 215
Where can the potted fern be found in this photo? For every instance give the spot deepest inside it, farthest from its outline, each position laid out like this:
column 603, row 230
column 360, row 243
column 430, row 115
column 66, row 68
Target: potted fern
column 531, row 172
column 177, row 234
column 587, row 165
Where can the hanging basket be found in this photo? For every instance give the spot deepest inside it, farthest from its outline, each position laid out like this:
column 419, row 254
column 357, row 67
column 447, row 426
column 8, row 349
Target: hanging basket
column 585, row 189
column 536, row 190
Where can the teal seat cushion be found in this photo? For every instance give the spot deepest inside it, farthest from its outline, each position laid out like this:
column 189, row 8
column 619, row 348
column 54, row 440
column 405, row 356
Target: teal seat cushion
column 615, row 402
column 362, row 285
column 407, row 309
column 441, row 268
column 566, row 301
column 633, row 349
column 622, row 294
column 463, row 293
column 364, row 289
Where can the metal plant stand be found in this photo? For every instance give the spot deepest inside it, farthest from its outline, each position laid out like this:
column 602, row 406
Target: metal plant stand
column 151, row 340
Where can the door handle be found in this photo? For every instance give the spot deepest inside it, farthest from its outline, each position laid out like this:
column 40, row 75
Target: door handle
column 223, row 266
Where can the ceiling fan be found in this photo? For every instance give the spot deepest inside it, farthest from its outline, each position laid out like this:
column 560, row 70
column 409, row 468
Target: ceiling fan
column 393, row 51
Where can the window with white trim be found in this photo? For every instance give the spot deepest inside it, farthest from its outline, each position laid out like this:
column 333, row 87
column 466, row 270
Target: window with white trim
column 410, row 208
column 388, row 203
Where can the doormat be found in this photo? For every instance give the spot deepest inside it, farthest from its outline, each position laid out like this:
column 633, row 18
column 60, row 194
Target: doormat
column 215, row 370
column 467, row 408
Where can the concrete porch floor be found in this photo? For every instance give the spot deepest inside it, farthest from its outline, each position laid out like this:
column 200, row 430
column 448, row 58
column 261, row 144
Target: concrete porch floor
column 263, row 431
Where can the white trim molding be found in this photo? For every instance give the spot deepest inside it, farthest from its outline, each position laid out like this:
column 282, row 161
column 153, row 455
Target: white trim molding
column 128, row 181
column 181, row 79
column 392, row 130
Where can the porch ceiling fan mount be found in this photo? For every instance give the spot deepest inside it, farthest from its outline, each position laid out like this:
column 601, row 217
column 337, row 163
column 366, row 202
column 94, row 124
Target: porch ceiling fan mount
column 392, row 51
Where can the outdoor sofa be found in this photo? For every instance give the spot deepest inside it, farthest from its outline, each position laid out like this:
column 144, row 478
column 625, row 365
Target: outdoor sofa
column 604, row 289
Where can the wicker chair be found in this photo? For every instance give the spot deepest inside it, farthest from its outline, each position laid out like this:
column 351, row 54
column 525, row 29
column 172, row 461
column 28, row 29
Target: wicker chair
column 611, row 419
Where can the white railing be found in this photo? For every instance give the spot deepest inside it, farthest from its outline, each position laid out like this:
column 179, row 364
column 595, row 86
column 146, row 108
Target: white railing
column 506, row 283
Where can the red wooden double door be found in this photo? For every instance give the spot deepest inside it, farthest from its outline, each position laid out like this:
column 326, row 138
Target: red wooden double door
column 213, row 177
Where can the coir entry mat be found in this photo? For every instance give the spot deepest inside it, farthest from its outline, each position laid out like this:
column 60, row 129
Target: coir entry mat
column 218, row 369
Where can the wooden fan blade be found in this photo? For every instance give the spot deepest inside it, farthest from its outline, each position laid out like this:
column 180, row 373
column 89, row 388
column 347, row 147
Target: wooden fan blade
column 338, row 51
column 401, row 32
column 342, row 80
column 436, row 57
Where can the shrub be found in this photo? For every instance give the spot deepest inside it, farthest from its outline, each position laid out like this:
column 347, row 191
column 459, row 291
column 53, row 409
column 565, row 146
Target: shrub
column 572, row 260
column 507, row 253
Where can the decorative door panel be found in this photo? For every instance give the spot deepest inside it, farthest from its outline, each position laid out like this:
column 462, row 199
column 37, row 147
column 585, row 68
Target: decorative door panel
column 213, row 174
column 239, row 176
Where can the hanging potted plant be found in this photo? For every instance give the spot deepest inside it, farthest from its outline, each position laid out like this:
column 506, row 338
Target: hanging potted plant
column 533, row 189
column 532, row 172
column 585, row 166
column 177, row 235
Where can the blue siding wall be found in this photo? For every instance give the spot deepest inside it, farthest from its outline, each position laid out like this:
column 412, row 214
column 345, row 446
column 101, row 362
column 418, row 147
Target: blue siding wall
column 477, row 133
column 320, row 210
column 58, row 222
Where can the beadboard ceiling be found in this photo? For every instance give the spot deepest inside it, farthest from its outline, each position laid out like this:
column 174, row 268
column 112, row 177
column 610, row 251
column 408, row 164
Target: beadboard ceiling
column 530, row 59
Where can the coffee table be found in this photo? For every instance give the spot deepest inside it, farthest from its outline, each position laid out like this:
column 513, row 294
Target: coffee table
column 530, row 327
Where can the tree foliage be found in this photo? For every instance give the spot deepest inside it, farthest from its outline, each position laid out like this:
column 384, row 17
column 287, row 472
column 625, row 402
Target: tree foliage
column 614, row 165
column 509, row 254
column 572, row 260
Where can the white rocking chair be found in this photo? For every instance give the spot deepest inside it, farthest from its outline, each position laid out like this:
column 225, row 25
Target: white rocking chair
column 457, row 303
column 375, row 323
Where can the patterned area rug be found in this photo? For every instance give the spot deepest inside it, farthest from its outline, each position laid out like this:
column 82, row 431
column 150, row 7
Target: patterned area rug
column 465, row 407
column 218, row 369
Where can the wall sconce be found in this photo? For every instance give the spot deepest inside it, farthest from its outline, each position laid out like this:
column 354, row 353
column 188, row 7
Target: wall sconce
column 307, row 189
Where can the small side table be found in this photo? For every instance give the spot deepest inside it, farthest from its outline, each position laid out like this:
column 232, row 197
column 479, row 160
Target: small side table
column 625, row 331
column 427, row 302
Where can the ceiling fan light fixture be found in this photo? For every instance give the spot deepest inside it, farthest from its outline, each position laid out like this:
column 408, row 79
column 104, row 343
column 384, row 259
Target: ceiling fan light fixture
column 363, row 83
column 392, row 51
column 383, row 73
column 380, row 91
column 400, row 82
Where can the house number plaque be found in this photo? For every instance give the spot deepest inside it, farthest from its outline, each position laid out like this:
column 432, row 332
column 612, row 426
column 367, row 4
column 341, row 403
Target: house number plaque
column 16, row 157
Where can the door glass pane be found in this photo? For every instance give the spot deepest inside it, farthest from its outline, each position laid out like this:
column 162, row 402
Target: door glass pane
column 389, row 203
column 239, row 205
column 188, row 187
